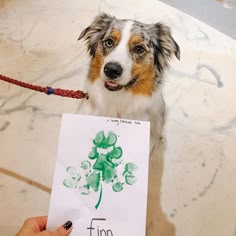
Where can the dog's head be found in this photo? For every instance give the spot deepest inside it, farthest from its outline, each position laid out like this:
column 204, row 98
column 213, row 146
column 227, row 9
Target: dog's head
column 127, row 54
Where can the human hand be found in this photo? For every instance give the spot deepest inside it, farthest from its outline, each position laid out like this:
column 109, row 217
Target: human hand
column 37, row 227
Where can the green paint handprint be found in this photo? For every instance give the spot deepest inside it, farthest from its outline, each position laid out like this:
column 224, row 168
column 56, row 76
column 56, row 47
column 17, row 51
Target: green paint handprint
column 106, row 167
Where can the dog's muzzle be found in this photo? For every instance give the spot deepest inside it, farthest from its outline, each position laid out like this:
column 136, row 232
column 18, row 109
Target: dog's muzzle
column 113, row 86
column 113, row 71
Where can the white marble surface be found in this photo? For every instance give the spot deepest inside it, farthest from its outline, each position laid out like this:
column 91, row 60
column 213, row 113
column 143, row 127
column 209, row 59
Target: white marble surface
column 38, row 44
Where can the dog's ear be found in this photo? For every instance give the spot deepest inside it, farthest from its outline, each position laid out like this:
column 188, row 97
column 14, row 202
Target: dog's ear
column 164, row 45
column 94, row 32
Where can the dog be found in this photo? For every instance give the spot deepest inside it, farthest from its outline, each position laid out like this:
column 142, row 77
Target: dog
column 126, row 74
column 125, row 80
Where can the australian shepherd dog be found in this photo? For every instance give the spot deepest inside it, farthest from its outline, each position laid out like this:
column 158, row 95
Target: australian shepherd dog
column 127, row 70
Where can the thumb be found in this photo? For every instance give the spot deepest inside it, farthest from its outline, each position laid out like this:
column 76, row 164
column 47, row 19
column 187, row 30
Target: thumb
column 63, row 230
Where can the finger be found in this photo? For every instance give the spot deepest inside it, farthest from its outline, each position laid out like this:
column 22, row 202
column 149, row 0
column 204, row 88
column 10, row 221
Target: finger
column 63, row 230
column 40, row 223
column 33, row 225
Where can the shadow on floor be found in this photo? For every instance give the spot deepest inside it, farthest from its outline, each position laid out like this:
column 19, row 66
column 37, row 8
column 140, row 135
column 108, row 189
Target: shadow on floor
column 157, row 222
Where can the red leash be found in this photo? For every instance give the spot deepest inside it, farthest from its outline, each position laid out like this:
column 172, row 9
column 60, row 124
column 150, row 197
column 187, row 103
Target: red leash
column 48, row 90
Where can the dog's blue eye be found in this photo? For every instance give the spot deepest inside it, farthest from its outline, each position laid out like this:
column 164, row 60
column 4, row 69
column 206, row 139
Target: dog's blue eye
column 109, row 43
column 139, row 49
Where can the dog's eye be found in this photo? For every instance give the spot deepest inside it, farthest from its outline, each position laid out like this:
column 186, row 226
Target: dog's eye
column 139, row 49
column 109, row 43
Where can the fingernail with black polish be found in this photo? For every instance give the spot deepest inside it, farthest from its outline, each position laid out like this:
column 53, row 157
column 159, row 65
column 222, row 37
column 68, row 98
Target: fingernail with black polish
column 67, row 225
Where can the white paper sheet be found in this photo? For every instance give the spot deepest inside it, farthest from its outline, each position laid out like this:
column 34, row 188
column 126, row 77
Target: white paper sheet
column 101, row 176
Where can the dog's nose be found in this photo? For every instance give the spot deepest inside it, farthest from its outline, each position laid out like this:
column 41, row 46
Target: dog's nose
column 113, row 70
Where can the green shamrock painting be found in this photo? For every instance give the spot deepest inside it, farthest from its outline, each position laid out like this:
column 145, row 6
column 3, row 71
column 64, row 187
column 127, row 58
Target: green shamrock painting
column 103, row 166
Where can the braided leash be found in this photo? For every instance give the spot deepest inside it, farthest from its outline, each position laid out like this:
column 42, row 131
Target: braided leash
column 48, row 90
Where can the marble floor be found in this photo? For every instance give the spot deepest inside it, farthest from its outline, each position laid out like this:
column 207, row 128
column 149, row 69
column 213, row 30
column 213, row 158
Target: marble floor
column 225, row 10
column 38, row 44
